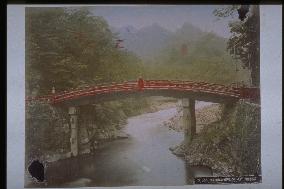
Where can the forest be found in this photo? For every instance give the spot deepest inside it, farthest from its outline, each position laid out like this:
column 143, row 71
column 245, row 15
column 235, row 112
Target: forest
column 69, row 48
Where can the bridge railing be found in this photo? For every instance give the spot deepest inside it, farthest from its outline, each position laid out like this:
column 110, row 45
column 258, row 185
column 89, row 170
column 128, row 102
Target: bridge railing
column 99, row 86
column 148, row 85
column 125, row 86
column 190, row 85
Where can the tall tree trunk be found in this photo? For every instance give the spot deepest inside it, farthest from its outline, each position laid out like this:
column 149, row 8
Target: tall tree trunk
column 255, row 70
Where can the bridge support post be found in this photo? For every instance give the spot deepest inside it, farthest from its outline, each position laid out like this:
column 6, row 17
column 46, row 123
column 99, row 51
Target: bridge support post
column 73, row 112
column 189, row 119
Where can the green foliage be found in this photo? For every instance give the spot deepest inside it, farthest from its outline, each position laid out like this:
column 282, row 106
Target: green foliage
column 70, row 47
column 226, row 11
column 67, row 48
column 231, row 146
column 206, row 60
column 244, row 41
column 44, row 131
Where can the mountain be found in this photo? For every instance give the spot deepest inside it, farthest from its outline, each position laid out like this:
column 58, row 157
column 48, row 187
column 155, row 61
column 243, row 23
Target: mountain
column 150, row 41
column 186, row 34
column 146, row 41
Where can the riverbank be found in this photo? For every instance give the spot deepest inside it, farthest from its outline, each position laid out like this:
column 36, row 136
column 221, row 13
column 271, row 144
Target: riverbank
column 230, row 146
column 204, row 116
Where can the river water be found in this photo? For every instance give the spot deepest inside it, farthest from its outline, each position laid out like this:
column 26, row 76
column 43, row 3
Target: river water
column 142, row 159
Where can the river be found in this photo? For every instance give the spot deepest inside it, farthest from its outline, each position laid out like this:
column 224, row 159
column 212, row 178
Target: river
column 142, row 159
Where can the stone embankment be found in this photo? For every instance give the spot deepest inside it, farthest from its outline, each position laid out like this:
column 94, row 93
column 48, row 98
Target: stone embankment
column 230, row 145
column 204, row 116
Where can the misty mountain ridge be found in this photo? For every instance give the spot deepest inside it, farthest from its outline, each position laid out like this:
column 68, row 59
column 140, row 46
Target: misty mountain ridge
column 149, row 41
column 144, row 42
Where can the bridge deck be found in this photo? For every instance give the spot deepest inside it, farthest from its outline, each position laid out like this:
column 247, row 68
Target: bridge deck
column 178, row 89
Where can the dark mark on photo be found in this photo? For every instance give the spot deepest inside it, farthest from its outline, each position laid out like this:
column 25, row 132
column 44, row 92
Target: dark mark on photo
column 36, row 169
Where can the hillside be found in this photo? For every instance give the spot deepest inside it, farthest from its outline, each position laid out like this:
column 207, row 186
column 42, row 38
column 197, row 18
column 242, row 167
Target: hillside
column 146, row 41
column 154, row 41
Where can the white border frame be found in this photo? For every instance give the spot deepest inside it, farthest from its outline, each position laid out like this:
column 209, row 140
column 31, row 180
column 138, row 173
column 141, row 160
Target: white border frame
column 271, row 99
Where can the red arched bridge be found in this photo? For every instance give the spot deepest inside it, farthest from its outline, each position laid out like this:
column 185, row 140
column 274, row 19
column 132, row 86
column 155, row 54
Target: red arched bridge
column 179, row 89
column 189, row 91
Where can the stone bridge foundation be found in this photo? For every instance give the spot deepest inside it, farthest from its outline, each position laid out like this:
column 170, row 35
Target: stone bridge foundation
column 79, row 136
column 189, row 119
column 73, row 112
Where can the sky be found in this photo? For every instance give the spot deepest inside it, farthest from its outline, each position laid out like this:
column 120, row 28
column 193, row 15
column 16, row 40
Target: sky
column 170, row 17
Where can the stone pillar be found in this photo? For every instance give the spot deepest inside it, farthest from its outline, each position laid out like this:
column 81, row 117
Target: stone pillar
column 73, row 112
column 189, row 119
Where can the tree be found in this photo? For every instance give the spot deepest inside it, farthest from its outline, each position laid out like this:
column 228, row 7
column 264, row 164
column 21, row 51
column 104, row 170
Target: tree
column 67, row 48
column 244, row 42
